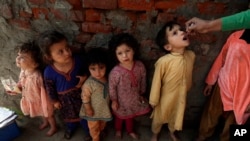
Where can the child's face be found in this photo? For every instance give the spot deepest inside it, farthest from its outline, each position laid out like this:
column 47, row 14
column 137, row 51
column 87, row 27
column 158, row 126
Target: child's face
column 97, row 71
column 60, row 53
column 124, row 54
column 177, row 38
column 25, row 61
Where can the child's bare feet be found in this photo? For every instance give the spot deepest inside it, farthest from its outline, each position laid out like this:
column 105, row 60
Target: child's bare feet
column 43, row 125
column 174, row 137
column 51, row 132
column 118, row 134
column 154, row 137
column 134, row 135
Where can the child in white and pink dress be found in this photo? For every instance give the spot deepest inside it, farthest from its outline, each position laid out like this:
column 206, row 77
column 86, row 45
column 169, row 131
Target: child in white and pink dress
column 35, row 101
column 127, row 83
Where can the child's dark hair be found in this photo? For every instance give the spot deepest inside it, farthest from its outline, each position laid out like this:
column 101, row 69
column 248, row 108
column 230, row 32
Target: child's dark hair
column 47, row 39
column 35, row 52
column 161, row 38
column 123, row 38
column 98, row 55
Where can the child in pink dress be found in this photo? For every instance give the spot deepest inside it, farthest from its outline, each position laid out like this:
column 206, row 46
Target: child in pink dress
column 127, row 83
column 35, row 101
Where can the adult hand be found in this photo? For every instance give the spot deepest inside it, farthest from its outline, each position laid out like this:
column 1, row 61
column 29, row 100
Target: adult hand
column 196, row 25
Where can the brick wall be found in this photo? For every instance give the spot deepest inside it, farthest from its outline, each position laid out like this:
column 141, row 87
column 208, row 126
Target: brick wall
column 89, row 23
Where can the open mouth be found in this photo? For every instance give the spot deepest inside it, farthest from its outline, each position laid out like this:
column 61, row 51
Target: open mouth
column 185, row 37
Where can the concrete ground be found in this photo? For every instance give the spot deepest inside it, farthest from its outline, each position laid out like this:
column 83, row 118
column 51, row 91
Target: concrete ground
column 30, row 132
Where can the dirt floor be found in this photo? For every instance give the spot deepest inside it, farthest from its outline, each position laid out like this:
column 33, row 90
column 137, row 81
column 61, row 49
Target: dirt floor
column 30, row 132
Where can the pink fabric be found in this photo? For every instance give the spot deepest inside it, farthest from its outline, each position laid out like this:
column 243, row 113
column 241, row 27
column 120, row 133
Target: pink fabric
column 35, row 101
column 232, row 70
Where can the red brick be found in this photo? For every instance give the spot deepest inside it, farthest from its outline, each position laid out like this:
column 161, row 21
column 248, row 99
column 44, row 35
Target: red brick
column 165, row 17
column 166, row 5
column 142, row 17
column 58, row 14
column 25, row 14
column 101, row 4
column 76, row 15
column 137, row 5
column 37, row 2
column 92, row 15
column 37, row 12
column 77, row 4
column 20, row 23
column 95, row 28
column 211, row 8
column 6, row 11
column 52, row 1
column 132, row 16
column 83, row 38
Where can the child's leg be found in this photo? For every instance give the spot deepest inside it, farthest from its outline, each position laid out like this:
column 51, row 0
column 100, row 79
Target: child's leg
column 52, row 123
column 85, row 127
column 118, row 127
column 44, row 123
column 229, row 120
column 70, row 128
column 94, row 128
column 156, row 128
column 102, row 127
column 130, row 128
column 210, row 117
column 172, row 131
column 173, row 136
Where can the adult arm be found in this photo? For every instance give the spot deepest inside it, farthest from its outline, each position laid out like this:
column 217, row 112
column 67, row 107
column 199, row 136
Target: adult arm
column 233, row 22
column 237, row 21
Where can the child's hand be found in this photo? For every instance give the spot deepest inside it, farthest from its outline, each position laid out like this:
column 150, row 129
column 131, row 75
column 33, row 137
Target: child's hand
column 89, row 112
column 57, row 105
column 114, row 105
column 11, row 92
column 81, row 81
column 208, row 90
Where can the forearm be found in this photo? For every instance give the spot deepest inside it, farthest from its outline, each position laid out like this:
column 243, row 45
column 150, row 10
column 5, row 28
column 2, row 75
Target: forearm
column 214, row 25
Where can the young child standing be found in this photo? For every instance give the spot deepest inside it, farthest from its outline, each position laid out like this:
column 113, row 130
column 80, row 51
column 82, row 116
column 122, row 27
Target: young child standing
column 95, row 108
column 171, row 81
column 63, row 78
column 35, row 101
column 127, row 83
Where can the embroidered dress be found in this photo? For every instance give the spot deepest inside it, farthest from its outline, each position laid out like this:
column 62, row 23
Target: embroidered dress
column 126, row 86
column 231, row 69
column 35, row 101
column 171, row 81
column 61, row 87
column 96, row 94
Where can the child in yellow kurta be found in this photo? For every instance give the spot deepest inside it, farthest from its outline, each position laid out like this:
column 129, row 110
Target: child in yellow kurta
column 171, row 81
